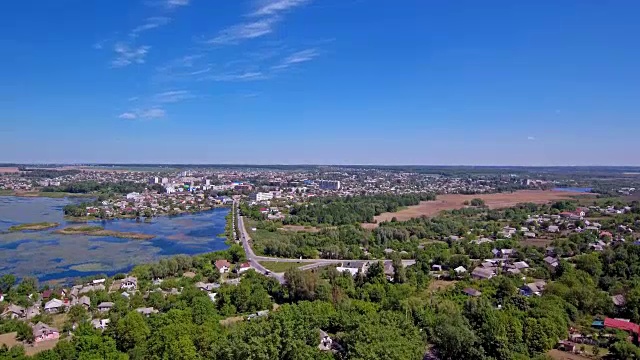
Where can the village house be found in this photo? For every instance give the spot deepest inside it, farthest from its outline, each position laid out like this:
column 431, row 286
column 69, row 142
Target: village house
column 472, row 292
column 460, row 270
column 54, row 306
column 223, row 266
column 32, row 312
column 207, row 286
column 43, row 332
column 567, row 346
column 147, row 311
column 14, row 312
column 129, row 283
column 481, row 241
column 353, row 267
column 89, row 288
column 618, row 300
column 105, row 307
column 83, row 301
column 551, row 263
column 553, row 228
column 622, row 324
column 100, row 324
column 389, row 271
column 244, row 267
column 534, row 288
column 483, row 273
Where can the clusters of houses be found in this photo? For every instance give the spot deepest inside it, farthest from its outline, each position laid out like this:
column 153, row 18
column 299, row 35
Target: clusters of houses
column 579, row 337
column 61, row 300
column 152, row 203
column 355, row 267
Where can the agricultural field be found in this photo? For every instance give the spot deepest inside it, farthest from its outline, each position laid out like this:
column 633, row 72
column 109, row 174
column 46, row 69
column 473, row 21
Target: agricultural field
column 457, row 201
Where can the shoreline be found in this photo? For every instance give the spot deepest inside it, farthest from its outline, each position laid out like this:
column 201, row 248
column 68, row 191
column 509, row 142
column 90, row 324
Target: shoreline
column 85, row 219
column 41, row 194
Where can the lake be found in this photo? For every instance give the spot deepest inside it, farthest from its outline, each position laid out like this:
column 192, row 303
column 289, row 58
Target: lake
column 574, row 189
column 49, row 256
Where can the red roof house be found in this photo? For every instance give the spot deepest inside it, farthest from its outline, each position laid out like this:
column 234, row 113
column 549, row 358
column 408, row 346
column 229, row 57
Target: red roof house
column 47, row 293
column 605, row 234
column 622, row 325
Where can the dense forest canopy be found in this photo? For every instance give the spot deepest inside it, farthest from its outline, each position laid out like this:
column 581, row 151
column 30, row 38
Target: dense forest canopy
column 351, row 209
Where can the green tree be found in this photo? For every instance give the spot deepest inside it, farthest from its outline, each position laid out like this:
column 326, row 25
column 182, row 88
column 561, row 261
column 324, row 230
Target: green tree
column 399, row 272
column 6, row 282
column 590, row 263
column 202, row 310
column 534, row 336
column 132, row 329
column 624, row 350
column 77, row 314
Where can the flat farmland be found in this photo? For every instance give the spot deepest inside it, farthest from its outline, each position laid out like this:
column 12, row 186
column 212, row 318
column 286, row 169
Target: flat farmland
column 9, row 170
column 456, row 201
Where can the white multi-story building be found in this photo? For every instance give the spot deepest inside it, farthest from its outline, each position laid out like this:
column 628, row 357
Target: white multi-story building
column 329, row 184
column 261, row 196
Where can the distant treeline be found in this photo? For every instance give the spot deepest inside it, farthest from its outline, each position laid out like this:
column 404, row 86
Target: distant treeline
column 45, row 173
column 351, row 209
column 85, row 187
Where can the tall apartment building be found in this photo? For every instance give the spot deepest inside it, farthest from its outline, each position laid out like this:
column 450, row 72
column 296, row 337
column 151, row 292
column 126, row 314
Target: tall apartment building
column 329, row 184
column 261, row 196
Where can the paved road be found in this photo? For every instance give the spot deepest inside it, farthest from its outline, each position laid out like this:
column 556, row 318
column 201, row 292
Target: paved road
column 310, row 263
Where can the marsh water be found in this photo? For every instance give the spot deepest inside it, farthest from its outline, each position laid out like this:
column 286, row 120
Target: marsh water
column 50, row 256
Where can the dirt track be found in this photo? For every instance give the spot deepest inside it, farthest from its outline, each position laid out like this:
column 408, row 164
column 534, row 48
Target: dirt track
column 456, row 201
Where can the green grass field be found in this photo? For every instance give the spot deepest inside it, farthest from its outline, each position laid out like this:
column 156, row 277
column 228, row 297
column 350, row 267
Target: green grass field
column 279, row 267
column 260, row 236
column 34, row 226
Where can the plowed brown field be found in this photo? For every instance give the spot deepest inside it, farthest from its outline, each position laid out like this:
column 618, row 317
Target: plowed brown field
column 456, row 201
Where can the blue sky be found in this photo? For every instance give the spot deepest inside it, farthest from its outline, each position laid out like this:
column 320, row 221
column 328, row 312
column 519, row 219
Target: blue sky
column 320, row 81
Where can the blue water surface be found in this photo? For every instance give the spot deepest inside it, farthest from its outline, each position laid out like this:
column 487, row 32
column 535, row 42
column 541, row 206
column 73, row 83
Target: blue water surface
column 574, row 189
column 49, row 256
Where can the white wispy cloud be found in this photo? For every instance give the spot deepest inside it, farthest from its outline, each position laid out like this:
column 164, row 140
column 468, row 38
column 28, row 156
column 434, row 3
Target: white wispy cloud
column 244, row 31
column 151, row 113
column 269, row 14
column 150, row 23
column 201, row 71
column 128, row 116
column 99, row 45
column 297, row 57
column 245, row 76
column 172, row 96
column 126, row 55
column 531, row 138
column 272, row 7
column 176, row 3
